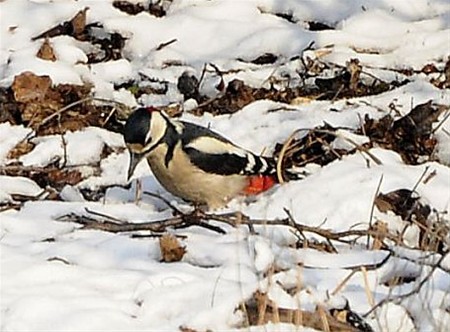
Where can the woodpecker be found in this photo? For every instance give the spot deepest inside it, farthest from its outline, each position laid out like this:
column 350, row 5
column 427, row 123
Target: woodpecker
column 194, row 162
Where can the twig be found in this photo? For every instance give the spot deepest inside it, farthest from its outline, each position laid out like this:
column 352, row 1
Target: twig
column 337, row 93
column 99, row 214
column 441, row 123
column 366, row 286
column 67, row 107
column 162, row 45
column 199, row 218
column 372, row 209
column 165, row 201
column 282, row 153
column 419, row 180
column 202, row 76
column 109, row 116
column 343, row 282
column 113, row 227
column 415, row 290
column 356, row 145
column 64, row 145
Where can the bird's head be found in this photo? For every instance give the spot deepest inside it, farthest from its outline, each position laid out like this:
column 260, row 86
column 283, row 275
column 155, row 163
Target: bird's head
column 143, row 132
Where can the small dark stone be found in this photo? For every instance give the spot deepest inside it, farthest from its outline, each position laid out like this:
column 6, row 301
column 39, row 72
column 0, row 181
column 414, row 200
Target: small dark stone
column 188, row 85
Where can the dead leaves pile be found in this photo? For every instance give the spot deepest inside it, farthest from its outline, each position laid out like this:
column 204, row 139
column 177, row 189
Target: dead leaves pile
column 35, row 102
column 105, row 45
column 411, row 135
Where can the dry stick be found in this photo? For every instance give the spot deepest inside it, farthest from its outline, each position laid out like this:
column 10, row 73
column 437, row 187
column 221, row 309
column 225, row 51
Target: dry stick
column 64, row 145
column 109, row 116
column 323, row 318
column 337, row 93
column 441, row 123
column 202, row 76
column 165, row 201
column 323, row 131
column 413, row 291
column 419, row 180
column 373, row 208
column 402, row 233
column 356, row 145
column 328, row 145
column 108, row 226
column 162, row 45
column 366, row 286
column 195, row 218
column 99, row 214
column 343, row 282
column 328, row 63
column 282, row 153
column 183, row 219
column 67, row 107
column 138, row 191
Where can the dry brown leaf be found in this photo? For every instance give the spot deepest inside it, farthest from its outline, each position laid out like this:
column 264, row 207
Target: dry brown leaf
column 382, row 231
column 301, row 100
column 64, row 176
column 20, row 149
column 79, row 22
column 46, row 51
column 354, row 68
column 128, row 7
column 171, row 248
column 29, row 87
column 321, row 52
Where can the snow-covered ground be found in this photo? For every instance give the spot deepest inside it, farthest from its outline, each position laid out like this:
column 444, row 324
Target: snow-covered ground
column 57, row 277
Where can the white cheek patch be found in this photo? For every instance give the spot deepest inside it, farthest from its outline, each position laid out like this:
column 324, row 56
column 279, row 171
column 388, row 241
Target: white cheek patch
column 158, row 127
column 148, row 137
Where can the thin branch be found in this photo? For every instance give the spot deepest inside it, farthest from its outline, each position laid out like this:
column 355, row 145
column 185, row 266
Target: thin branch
column 162, row 45
column 280, row 160
column 99, row 214
column 67, row 107
column 441, row 123
column 372, row 209
column 165, row 201
column 415, row 290
column 114, row 227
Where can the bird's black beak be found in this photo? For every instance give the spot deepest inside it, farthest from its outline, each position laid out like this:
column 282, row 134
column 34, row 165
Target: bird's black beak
column 135, row 159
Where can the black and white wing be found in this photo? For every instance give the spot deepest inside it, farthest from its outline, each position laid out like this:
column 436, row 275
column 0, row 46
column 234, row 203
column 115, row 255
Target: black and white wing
column 215, row 154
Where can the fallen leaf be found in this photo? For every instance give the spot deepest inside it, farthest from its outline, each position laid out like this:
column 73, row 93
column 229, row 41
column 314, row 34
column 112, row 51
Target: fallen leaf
column 46, row 51
column 171, row 248
column 79, row 22
column 29, row 87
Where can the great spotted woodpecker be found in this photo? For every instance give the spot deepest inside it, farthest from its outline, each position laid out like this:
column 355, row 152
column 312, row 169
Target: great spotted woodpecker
column 194, row 162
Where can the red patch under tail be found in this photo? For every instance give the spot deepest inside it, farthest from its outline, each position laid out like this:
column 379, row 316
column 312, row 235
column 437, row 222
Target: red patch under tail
column 259, row 183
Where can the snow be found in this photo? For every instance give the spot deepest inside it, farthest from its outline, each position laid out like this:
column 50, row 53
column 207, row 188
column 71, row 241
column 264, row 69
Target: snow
column 78, row 148
column 56, row 276
column 10, row 185
column 10, row 136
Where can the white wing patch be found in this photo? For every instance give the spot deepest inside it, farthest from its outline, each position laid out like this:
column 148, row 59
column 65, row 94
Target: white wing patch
column 264, row 165
column 251, row 162
column 212, row 145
